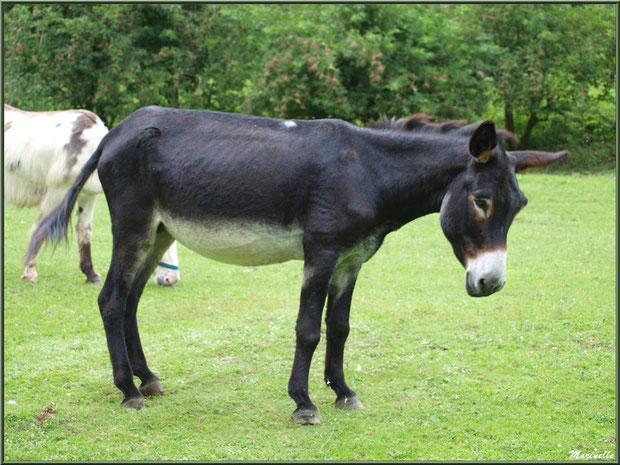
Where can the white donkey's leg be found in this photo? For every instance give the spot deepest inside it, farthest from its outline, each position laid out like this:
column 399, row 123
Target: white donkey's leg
column 167, row 272
column 51, row 198
column 30, row 273
column 84, row 230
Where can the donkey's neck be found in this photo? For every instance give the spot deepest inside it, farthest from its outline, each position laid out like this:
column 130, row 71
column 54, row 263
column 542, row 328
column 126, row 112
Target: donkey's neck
column 415, row 173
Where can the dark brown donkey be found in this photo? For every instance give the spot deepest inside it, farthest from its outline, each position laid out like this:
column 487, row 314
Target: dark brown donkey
column 252, row 191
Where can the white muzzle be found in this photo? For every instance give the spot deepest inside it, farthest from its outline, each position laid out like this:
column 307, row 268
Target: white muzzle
column 486, row 273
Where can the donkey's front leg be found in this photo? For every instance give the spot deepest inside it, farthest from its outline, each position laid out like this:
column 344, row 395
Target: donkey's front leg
column 337, row 322
column 317, row 273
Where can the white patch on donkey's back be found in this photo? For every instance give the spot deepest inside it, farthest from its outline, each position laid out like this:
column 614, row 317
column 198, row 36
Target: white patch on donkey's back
column 290, row 124
column 239, row 242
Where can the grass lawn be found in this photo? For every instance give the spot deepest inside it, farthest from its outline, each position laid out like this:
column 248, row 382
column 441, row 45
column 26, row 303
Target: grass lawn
column 526, row 374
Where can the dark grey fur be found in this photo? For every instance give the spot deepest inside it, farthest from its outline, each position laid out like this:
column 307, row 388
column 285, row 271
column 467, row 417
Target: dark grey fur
column 344, row 185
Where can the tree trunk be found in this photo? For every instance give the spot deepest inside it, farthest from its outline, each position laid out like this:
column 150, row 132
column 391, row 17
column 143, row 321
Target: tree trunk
column 510, row 122
column 531, row 122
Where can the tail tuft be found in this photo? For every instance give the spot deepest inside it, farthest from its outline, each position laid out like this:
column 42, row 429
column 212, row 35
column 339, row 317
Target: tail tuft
column 52, row 228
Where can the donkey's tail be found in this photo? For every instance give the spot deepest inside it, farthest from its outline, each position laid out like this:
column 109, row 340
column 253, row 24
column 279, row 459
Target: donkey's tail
column 54, row 226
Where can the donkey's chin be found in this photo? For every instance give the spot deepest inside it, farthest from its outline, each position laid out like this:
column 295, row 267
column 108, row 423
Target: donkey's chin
column 483, row 291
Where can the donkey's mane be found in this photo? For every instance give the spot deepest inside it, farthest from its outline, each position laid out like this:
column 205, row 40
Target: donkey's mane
column 423, row 123
column 420, row 122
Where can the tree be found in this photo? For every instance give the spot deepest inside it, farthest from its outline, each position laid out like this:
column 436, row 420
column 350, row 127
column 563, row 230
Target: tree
column 358, row 61
column 539, row 66
column 542, row 59
column 113, row 59
column 50, row 49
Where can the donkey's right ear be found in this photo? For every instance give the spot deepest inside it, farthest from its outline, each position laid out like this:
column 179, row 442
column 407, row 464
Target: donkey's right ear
column 483, row 141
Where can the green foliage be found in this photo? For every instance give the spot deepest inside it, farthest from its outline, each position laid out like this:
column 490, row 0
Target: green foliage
column 52, row 56
column 544, row 60
column 114, row 59
column 545, row 71
column 359, row 61
column 527, row 374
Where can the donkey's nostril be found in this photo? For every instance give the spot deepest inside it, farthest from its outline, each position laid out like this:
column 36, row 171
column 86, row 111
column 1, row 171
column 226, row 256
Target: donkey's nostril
column 481, row 283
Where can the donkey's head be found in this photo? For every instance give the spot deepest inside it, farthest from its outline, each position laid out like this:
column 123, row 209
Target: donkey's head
column 480, row 205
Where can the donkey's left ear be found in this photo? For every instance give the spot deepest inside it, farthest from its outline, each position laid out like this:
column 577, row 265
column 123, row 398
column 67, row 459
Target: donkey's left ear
column 522, row 160
column 483, row 141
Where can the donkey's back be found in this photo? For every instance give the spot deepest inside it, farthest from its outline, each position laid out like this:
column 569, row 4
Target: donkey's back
column 203, row 165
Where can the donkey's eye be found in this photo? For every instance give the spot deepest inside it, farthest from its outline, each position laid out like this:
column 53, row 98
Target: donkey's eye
column 482, row 204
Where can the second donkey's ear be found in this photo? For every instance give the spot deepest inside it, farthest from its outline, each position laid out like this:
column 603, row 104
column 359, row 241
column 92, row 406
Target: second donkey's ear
column 522, row 160
column 483, row 141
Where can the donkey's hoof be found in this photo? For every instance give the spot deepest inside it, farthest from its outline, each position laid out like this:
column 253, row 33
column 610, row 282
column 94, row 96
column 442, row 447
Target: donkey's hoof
column 30, row 278
column 152, row 388
column 94, row 279
column 349, row 403
column 133, row 402
column 306, row 417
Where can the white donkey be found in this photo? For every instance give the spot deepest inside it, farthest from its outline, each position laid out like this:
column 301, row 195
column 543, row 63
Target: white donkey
column 43, row 154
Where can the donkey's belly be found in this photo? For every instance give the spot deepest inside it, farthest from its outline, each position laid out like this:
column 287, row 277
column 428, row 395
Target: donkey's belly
column 238, row 242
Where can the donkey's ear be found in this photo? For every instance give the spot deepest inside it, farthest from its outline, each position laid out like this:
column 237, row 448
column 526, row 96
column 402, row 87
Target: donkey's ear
column 483, row 141
column 522, row 160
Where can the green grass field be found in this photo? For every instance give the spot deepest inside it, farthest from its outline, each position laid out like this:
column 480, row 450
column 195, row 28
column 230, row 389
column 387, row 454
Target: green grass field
column 525, row 374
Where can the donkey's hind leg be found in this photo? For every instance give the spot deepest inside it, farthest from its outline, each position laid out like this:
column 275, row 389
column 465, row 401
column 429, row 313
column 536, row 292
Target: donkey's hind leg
column 30, row 274
column 133, row 239
column 84, row 233
column 150, row 383
column 50, row 199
